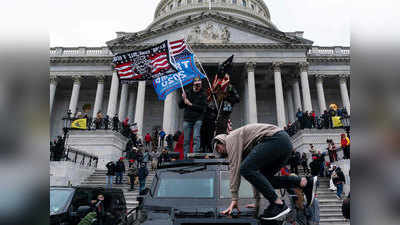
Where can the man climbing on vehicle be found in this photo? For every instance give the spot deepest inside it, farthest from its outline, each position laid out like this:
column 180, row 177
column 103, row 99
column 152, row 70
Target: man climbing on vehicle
column 257, row 152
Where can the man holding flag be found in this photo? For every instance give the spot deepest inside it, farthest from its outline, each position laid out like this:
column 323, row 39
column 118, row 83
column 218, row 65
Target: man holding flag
column 194, row 103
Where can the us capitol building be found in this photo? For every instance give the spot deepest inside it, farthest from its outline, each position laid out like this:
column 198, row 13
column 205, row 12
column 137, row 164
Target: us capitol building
column 275, row 72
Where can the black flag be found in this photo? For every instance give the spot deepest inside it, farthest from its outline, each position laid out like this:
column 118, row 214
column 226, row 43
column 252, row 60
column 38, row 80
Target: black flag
column 225, row 68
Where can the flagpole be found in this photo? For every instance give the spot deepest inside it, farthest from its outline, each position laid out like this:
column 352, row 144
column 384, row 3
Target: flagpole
column 202, row 70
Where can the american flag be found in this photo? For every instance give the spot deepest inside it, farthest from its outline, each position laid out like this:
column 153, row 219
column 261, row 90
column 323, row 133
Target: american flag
column 177, row 47
column 159, row 61
column 145, row 64
column 125, row 70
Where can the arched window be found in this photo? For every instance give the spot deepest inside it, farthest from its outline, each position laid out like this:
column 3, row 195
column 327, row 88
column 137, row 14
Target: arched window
column 244, row 3
column 179, row 3
column 171, row 6
column 252, row 6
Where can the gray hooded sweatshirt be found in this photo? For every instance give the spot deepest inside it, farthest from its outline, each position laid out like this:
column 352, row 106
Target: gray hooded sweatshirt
column 237, row 144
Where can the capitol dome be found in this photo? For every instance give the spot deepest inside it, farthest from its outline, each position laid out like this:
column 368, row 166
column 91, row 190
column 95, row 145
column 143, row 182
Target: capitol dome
column 251, row 10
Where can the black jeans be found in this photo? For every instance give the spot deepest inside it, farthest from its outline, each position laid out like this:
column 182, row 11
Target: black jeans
column 132, row 180
column 264, row 161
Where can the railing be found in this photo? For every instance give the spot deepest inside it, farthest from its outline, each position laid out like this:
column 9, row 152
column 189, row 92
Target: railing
column 80, row 51
column 83, row 158
column 105, row 52
column 329, row 51
column 73, row 155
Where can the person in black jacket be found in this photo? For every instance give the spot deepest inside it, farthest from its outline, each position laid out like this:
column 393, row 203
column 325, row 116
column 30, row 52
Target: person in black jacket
column 294, row 162
column 120, row 170
column 315, row 166
column 339, row 179
column 115, row 122
column 194, row 103
column 110, row 173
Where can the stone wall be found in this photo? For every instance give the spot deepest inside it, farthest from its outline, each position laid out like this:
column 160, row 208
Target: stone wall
column 107, row 145
column 302, row 139
column 63, row 173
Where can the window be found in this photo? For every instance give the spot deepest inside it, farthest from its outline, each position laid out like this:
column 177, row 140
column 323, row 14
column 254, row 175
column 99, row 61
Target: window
column 200, row 1
column 189, row 2
column 245, row 190
column 179, row 3
column 170, row 7
column 234, row 1
column 252, row 7
column 189, row 185
column 244, row 3
column 59, row 199
column 223, row 1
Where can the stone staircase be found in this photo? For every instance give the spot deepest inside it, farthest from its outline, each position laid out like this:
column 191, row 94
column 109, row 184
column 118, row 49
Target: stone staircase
column 98, row 179
column 330, row 206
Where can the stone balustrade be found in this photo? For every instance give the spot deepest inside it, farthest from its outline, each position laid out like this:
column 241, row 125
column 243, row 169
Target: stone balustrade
column 105, row 52
column 329, row 51
column 79, row 51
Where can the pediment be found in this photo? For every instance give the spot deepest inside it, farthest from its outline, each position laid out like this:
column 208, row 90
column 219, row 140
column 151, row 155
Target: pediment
column 211, row 32
column 209, row 29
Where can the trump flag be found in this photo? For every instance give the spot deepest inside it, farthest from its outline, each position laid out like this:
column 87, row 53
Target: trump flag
column 145, row 64
column 187, row 71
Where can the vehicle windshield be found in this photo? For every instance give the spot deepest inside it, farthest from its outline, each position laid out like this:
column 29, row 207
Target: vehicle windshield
column 58, row 199
column 245, row 190
column 190, row 185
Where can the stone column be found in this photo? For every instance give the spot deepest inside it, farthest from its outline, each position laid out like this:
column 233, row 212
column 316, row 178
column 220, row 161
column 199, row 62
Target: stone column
column 170, row 115
column 75, row 94
column 344, row 93
column 305, row 87
column 122, row 102
column 291, row 111
column 98, row 102
column 112, row 101
column 131, row 103
column 297, row 96
column 320, row 91
column 140, row 107
column 280, row 104
column 53, row 87
column 251, row 88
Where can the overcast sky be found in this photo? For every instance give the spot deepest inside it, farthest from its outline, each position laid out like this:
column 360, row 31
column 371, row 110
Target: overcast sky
column 93, row 22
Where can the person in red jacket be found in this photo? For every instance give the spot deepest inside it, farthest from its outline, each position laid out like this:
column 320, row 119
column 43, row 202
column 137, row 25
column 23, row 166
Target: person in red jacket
column 147, row 140
column 345, row 144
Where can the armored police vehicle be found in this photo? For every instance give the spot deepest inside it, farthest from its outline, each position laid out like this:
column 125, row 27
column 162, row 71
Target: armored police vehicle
column 194, row 192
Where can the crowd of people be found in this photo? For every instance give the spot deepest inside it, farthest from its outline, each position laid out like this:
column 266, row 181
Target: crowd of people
column 309, row 120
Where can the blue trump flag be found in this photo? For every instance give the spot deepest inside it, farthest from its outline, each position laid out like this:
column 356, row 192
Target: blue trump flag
column 187, row 71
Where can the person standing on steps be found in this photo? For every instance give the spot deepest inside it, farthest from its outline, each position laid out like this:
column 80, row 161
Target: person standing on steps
column 143, row 172
column 132, row 173
column 257, row 152
column 120, row 170
column 110, row 173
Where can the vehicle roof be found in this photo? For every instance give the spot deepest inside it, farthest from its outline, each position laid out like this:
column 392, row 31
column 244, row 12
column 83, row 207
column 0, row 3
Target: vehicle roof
column 194, row 162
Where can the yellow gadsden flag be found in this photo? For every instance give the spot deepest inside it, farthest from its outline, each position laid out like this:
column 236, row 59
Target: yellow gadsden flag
column 336, row 121
column 79, row 124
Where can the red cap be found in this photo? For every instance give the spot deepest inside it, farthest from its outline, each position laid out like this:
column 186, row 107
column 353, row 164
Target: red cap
column 314, row 157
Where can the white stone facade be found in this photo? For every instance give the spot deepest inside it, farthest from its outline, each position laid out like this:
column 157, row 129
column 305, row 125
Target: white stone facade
column 64, row 173
column 269, row 65
column 107, row 145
